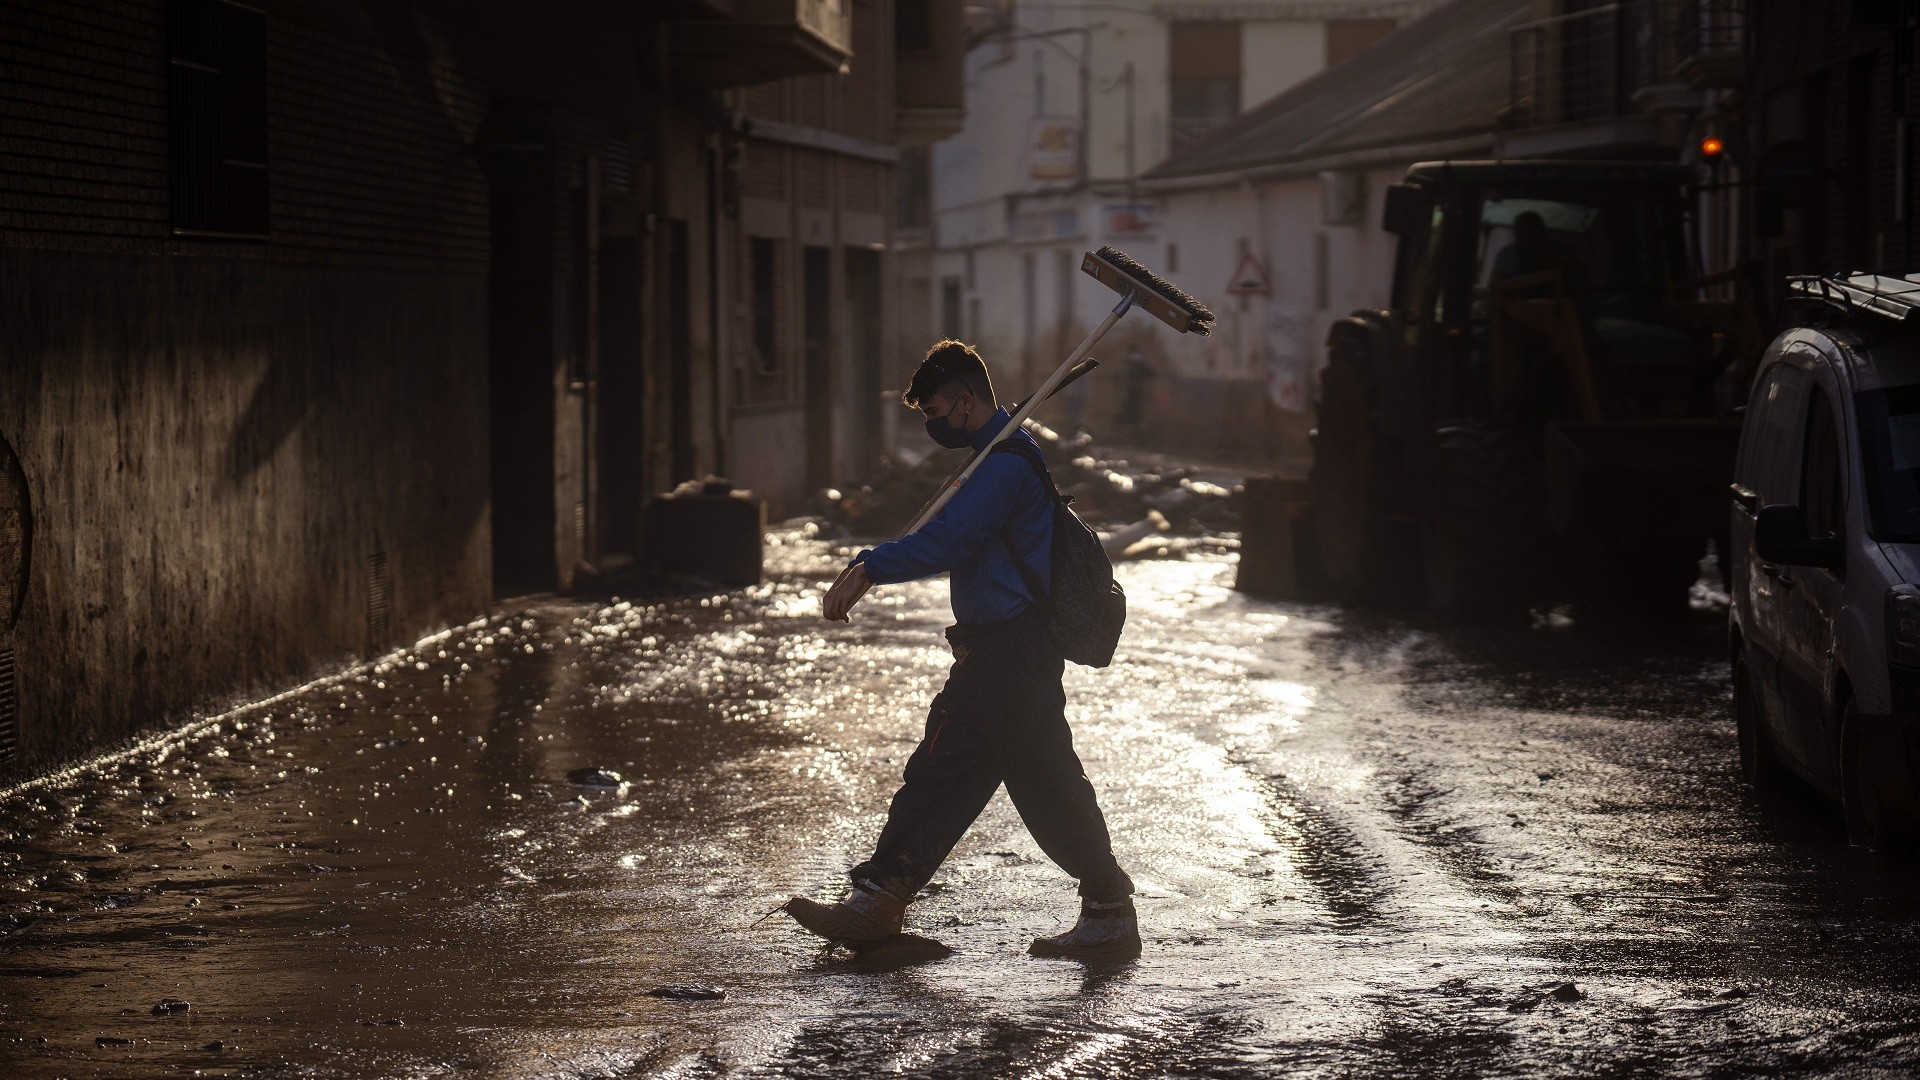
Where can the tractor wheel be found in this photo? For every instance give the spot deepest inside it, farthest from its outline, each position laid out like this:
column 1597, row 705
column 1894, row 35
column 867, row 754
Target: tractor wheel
column 1482, row 541
column 1351, row 460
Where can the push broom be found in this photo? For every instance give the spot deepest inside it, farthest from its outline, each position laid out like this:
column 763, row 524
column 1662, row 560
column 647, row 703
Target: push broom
column 1138, row 287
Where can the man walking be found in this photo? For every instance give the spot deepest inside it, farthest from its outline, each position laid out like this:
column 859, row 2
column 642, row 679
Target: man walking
column 1001, row 718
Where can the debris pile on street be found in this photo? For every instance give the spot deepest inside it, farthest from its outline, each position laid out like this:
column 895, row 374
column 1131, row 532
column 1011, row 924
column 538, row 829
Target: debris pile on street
column 1140, row 506
column 688, row 992
column 591, row 777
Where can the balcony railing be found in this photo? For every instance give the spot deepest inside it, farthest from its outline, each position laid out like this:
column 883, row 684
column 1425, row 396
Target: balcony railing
column 1611, row 59
column 1569, row 68
column 831, row 21
column 1712, row 42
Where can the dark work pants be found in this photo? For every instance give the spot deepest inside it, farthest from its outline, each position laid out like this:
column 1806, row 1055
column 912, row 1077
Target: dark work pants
column 1001, row 719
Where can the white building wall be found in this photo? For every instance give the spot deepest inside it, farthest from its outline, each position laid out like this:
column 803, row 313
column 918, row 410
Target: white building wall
column 991, row 213
column 1274, row 55
column 1318, row 273
column 1278, row 222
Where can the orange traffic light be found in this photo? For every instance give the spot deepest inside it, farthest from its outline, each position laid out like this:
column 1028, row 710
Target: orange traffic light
column 1711, row 148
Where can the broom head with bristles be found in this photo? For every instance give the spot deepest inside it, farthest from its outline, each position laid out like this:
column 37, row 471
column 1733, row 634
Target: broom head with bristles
column 1162, row 298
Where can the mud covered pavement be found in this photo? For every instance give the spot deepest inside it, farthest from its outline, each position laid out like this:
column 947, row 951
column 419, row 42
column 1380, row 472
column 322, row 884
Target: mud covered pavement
column 1365, row 848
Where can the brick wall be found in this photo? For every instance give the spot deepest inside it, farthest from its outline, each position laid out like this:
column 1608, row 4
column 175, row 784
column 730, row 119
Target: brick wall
column 866, row 88
column 813, row 194
column 868, row 184
column 810, row 178
column 221, row 437
column 1829, row 86
column 84, row 145
column 763, row 170
column 369, row 158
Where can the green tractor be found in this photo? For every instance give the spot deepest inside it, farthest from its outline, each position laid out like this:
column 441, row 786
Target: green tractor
column 1547, row 409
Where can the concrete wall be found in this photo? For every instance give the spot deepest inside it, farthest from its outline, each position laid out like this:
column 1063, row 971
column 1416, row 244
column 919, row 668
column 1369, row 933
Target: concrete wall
column 1280, row 224
column 776, row 468
column 215, row 455
column 818, row 173
column 252, row 460
column 1026, row 331
column 1278, row 53
column 231, row 447
column 1277, row 222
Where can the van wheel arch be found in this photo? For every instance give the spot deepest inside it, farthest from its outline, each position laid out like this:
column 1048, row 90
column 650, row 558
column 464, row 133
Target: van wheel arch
column 1760, row 766
column 1872, row 821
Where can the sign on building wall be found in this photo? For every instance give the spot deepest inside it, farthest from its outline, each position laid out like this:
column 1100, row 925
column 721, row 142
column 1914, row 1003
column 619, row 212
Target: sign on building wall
column 1055, row 224
column 1249, row 278
column 1053, row 148
column 1133, row 219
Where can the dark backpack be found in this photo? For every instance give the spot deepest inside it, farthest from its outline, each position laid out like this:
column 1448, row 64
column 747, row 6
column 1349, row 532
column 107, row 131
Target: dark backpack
column 1085, row 607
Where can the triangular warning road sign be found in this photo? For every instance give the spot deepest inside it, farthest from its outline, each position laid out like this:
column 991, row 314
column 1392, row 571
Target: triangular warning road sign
column 1250, row 278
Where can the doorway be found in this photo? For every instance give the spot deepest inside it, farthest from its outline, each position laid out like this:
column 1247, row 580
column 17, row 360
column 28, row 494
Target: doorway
column 864, row 316
column 677, row 323
column 520, row 314
column 621, row 400
column 817, row 286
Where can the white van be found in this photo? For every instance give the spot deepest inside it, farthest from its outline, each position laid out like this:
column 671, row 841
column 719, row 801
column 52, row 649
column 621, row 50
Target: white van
column 1825, row 556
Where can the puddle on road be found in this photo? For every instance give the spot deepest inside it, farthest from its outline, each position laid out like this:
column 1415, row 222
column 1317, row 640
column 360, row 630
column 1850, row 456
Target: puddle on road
column 1363, row 849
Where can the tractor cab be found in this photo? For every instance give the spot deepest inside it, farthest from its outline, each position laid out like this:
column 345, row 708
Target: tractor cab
column 1549, row 370
column 1556, row 291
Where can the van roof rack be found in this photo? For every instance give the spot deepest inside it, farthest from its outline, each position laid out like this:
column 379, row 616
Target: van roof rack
column 1896, row 298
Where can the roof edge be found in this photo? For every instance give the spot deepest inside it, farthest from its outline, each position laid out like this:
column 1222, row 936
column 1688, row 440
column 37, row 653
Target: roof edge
column 1327, row 79
column 1365, row 157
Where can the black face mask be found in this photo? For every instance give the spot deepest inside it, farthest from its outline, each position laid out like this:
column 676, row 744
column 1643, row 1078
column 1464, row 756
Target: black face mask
column 942, row 430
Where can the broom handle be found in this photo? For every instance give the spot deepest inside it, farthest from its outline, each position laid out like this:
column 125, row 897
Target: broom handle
column 1013, row 425
column 1020, row 418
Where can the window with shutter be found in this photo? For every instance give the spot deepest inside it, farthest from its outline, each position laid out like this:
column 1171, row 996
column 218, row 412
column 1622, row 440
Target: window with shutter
column 217, row 119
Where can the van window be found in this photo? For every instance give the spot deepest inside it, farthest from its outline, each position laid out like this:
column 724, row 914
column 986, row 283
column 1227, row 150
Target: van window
column 1890, row 458
column 1822, row 482
column 1770, row 442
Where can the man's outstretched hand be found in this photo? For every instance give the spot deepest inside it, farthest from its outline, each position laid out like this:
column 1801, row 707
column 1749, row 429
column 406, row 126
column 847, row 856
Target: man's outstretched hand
column 845, row 593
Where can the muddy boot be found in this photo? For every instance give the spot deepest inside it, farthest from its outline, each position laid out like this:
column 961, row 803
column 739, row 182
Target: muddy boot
column 1104, row 930
column 869, row 913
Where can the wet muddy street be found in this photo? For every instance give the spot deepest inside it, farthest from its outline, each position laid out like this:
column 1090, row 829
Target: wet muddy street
column 1365, row 848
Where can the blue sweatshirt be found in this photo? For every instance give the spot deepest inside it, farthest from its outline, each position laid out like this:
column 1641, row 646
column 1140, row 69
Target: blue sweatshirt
column 964, row 537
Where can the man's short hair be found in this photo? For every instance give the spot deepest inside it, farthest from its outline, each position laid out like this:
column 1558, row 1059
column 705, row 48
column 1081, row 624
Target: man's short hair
column 949, row 367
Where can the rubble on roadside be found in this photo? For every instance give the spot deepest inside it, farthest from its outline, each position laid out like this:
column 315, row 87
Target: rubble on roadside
column 1139, row 507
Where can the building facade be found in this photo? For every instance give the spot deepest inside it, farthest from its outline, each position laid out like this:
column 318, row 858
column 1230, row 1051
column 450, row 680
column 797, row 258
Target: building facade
column 325, row 325
column 815, row 371
column 1289, row 196
column 1820, row 153
column 1067, row 108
